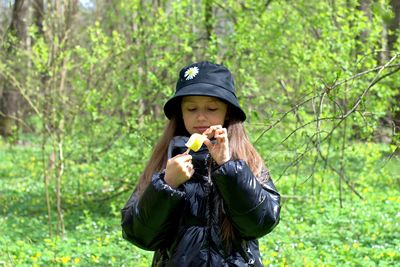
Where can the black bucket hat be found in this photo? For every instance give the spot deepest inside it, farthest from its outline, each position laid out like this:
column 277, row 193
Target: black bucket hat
column 205, row 79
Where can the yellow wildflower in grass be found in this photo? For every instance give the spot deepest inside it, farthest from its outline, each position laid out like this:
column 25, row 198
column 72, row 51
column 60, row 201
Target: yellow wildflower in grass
column 301, row 245
column 65, row 259
column 77, row 260
column 308, row 264
column 95, row 258
column 394, row 199
column 266, row 262
column 283, row 262
column 35, row 258
column 356, row 245
column 346, row 247
column 391, row 254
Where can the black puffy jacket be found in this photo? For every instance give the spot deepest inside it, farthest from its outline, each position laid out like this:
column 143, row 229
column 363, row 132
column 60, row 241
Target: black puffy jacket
column 183, row 225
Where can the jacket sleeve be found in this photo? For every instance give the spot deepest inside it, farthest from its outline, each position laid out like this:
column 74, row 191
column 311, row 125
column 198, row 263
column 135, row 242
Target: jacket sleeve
column 253, row 208
column 150, row 221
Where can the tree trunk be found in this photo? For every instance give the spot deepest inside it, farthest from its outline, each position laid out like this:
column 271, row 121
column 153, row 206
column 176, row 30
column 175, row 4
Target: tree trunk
column 9, row 97
column 38, row 15
column 393, row 27
column 208, row 19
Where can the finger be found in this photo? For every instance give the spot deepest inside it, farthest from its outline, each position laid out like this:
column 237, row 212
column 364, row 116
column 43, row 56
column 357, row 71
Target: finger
column 186, row 167
column 210, row 132
column 208, row 144
column 220, row 131
column 189, row 166
column 184, row 157
column 220, row 139
column 189, row 171
column 221, row 136
column 215, row 127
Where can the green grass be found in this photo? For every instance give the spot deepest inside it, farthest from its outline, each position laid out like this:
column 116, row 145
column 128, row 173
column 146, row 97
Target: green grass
column 314, row 229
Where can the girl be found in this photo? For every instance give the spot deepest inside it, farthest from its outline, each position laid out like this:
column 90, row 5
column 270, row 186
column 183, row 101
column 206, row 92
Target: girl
column 204, row 208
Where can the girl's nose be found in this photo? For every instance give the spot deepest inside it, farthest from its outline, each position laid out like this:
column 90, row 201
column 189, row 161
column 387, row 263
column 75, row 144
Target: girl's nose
column 201, row 116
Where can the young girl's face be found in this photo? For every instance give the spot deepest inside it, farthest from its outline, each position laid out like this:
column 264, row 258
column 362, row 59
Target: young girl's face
column 201, row 112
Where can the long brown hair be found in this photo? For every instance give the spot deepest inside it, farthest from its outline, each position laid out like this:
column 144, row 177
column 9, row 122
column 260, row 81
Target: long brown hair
column 239, row 144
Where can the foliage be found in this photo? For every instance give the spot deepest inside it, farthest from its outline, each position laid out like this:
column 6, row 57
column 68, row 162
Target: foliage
column 313, row 230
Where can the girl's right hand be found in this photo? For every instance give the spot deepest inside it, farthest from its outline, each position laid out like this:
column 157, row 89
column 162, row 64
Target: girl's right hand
column 179, row 169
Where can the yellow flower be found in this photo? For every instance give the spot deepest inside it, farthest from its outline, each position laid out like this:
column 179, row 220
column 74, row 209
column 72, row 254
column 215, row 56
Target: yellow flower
column 391, row 254
column 77, row 260
column 356, row 245
column 95, row 258
column 36, row 256
column 65, row 259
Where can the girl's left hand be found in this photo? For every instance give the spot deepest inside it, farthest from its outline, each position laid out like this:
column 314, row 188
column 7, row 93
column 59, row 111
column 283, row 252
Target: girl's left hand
column 220, row 150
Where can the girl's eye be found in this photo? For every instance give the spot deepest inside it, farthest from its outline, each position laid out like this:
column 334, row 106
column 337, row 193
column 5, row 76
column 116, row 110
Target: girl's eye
column 191, row 109
column 212, row 109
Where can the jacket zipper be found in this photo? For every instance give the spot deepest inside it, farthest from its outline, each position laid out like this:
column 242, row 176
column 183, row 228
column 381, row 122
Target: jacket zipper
column 209, row 205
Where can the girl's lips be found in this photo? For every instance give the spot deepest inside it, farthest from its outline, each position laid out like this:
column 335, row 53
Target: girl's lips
column 201, row 129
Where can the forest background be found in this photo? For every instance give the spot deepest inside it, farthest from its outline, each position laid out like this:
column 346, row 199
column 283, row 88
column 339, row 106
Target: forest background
column 82, row 85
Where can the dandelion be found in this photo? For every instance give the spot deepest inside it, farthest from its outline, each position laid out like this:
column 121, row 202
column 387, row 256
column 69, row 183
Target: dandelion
column 65, row 259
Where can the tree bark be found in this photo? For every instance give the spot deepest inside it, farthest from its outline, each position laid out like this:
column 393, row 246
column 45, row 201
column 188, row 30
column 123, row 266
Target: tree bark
column 38, row 15
column 393, row 27
column 10, row 99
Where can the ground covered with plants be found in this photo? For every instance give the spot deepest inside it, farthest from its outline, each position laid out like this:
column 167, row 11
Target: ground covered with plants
column 314, row 229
